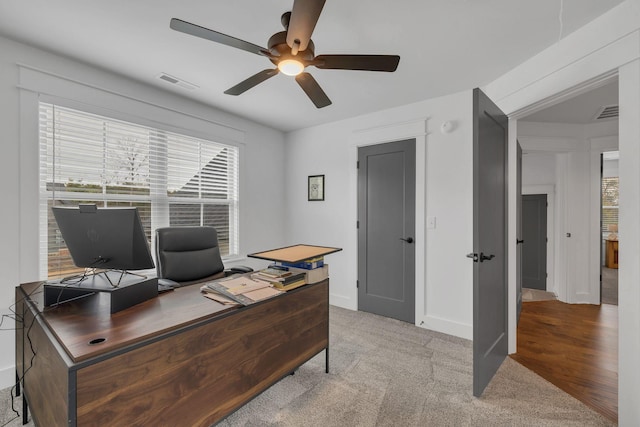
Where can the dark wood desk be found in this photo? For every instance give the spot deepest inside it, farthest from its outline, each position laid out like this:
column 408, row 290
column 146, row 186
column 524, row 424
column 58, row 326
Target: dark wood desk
column 176, row 360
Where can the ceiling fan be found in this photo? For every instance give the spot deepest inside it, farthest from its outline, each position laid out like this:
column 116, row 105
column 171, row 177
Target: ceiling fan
column 292, row 51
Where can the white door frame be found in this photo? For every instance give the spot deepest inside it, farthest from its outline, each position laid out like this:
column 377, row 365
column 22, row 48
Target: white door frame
column 567, row 78
column 415, row 129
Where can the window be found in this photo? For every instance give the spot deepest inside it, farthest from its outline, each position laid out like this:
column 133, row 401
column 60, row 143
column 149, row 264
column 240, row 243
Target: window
column 172, row 179
column 610, row 196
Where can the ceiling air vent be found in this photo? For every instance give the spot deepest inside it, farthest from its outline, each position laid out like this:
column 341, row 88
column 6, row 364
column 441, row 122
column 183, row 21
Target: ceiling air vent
column 607, row 112
column 178, row 82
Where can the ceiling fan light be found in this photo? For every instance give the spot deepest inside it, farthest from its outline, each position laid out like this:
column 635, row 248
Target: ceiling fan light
column 290, row 67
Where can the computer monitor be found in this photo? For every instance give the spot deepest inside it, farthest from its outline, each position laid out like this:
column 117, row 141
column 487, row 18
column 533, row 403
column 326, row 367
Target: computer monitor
column 104, row 238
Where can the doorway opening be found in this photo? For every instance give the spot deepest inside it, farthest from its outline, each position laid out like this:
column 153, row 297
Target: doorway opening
column 534, row 248
column 562, row 147
column 609, row 222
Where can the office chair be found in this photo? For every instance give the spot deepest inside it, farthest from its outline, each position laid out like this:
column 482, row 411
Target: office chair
column 187, row 255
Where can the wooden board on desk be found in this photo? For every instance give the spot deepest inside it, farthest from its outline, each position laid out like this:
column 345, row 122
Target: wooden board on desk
column 295, row 253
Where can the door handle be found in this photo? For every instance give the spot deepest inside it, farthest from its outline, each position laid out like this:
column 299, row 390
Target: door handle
column 519, row 241
column 408, row 239
column 484, row 257
column 473, row 256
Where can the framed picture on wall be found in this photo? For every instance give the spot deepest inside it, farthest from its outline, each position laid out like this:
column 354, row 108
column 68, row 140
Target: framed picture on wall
column 316, row 188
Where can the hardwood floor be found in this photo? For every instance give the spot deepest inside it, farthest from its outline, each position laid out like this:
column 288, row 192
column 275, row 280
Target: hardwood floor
column 575, row 347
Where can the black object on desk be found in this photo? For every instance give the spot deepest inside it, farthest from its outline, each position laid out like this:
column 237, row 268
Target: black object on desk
column 131, row 290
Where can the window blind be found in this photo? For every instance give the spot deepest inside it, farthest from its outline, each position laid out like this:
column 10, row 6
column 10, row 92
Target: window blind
column 610, row 197
column 172, row 179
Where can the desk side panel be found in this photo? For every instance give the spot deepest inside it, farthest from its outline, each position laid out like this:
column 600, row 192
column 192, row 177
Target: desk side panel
column 202, row 374
column 46, row 375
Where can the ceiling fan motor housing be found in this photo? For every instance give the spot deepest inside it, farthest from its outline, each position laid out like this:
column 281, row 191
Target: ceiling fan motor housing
column 280, row 50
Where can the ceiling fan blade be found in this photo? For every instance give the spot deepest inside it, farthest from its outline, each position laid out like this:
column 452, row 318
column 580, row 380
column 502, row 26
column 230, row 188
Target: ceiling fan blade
column 252, row 81
column 313, row 90
column 214, row 36
column 357, row 62
column 304, row 16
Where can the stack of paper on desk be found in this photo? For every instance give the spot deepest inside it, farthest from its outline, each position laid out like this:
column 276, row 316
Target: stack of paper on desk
column 211, row 294
column 239, row 289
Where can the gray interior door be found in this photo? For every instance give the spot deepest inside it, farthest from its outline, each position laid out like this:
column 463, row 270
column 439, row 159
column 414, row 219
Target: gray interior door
column 519, row 239
column 489, row 240
column 386, row 225
column 534, row 249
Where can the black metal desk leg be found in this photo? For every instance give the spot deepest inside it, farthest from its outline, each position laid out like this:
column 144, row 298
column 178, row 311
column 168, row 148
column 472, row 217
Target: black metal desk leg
column 326, row 361
column 17, row 384
column 25, row 410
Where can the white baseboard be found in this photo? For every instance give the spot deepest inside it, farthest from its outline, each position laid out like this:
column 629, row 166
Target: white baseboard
column 445, row 326
column 342, row 301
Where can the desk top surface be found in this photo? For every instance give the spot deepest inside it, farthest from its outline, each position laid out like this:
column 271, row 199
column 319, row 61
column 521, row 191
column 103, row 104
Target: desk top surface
column 295, row 253
column 77, row 323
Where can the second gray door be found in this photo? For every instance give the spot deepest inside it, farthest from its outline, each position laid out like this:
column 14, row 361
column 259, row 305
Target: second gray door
column 519, row 239
column 386, row 224
column 534, row 248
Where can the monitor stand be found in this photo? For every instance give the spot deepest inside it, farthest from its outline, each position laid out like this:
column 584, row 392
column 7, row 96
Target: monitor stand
column 131, row 289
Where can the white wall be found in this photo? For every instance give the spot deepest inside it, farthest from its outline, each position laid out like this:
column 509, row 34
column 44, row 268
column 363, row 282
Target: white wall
column 262, row 152
column 610, row 168
column 608, row 45
column 538, row 169
column 563, row 160
column 444, row 277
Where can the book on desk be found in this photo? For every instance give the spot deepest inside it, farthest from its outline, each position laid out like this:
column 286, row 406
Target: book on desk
column 292, row 267
column 240, row 289
column 296, row 277
column 296, row 259
column 286, row 283
column 263, row 284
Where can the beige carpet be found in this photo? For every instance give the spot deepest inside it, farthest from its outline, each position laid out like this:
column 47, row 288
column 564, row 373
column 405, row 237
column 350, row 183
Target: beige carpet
column 389, row 373
column 537, row 295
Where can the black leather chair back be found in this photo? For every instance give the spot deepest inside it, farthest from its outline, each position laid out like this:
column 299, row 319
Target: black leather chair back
column 188, row 254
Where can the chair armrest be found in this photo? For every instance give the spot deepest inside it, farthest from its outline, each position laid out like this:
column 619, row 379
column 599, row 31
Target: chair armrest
column 168, row 283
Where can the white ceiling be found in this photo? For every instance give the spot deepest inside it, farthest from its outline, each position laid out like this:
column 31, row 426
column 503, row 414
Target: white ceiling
column 445, row 46
column 581, row 109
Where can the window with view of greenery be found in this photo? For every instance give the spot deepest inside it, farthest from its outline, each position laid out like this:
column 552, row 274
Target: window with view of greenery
column 172, row 179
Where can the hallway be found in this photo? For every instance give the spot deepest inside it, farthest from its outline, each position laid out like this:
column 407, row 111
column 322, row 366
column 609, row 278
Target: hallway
column 575, row 347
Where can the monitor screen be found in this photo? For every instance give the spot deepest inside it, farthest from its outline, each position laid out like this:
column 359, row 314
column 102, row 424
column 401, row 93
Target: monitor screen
column 105, row 238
